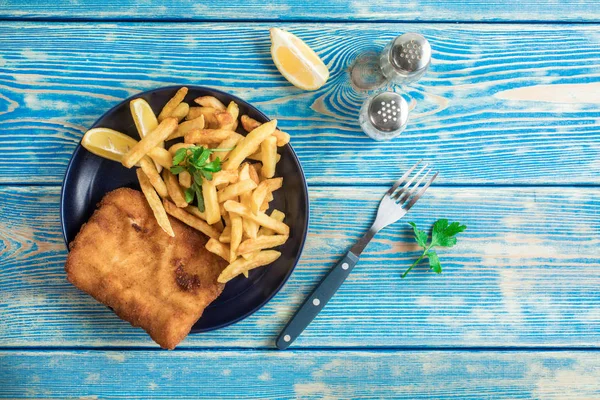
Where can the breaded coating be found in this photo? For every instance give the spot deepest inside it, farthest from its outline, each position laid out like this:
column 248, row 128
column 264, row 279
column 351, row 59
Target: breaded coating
column 123, row 259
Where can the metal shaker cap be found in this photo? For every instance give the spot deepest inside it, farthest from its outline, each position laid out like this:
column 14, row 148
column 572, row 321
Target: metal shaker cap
column 410, row 53
column 388, row 111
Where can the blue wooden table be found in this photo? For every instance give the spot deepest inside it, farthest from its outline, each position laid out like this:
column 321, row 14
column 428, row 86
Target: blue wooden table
column 509, row 113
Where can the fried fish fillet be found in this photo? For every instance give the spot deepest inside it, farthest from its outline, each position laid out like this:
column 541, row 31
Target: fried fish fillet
column 123, row 259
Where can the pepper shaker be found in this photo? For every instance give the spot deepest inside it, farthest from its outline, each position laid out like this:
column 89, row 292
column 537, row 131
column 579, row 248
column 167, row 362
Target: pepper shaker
column 384, row 115
column 406, row 58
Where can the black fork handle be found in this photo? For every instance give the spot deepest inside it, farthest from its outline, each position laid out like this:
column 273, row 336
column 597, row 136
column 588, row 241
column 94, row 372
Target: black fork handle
column 316, row 301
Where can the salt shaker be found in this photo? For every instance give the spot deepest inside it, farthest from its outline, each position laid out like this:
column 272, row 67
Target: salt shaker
column 406, row 58
column 384, row 115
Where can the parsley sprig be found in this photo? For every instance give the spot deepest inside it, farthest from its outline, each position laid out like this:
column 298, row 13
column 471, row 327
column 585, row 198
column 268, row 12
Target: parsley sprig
column 442, row 235
column 195, row 160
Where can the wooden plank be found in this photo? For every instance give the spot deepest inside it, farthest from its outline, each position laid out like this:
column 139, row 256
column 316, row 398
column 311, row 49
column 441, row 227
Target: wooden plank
column 513, row 104
column 295, row 10
column 525, row 273
column 300, row 374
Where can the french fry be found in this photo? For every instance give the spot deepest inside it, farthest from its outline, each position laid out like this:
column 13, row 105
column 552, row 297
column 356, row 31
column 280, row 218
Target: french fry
column 207, row 136
column 273, row 184
column 254, row 173
column 210, row 101
column 257, row 167
column 161, row 157
column 244, row 171
column 218, row 225
column 268, row 149
column 155, row 203
column 181, row 111
column 268, row 199
column 235, row 190
column 218, row 248
column 258, row 156
column 193, row 113
column 191, row 220
column 250, row 124
column 234, row 110
column 240, row 265
column 277, row 215
column 224, row 120
column 151, row 140
column 211, row 203
column 185, row 179
column 153, row 176
column 207, row 112
column 187, row 126
column 261, row 243
column 202, row 215
column 264, row 206
column 250, row 227
column 228, row 143
column 175, row 191
column 225, row 215
column 249, row 144
column 172, row 104
column 196, row 212
column 248, row 256
column 259, row 196
column 283, row 138
column 222, row 177
column 225, row 235
column 261, row 192
column 236, row 236
column 260, row 218
column 173, row 149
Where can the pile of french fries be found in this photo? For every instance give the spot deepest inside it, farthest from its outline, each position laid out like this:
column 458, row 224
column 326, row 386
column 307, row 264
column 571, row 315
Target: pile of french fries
column 236, row 199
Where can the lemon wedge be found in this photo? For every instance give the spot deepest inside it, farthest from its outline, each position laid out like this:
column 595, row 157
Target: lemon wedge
column 143, row 116
column 145, row 120
column 297, row 62
column 107, row 143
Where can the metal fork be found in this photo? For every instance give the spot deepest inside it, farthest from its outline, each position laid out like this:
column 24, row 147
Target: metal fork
column 394, row 205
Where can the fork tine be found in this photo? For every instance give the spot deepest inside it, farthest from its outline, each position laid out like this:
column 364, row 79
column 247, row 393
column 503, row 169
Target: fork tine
column 403, row 188
column 408, row 193
column 418, row 195
column 402, row 178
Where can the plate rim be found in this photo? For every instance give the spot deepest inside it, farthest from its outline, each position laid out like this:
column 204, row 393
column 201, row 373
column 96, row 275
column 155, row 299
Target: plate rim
column 295, row 158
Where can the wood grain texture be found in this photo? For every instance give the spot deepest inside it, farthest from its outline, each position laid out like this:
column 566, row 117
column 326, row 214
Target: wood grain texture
column 301, row 375
column 525, row 273
column 332, row 10
column 511, row 104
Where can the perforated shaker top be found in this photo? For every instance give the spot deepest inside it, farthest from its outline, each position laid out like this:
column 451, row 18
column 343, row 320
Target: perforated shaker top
column 388, row 111
column 410, row 53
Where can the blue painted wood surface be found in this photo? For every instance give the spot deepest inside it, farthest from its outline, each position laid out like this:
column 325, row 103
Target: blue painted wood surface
column 507, row 283
column 508, row 113
column 301, row 374
column 487, row 112
column 309, row 10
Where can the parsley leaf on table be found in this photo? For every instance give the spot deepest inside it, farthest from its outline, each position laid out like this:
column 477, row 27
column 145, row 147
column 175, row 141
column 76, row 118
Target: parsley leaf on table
column 195, row 160
column 443, row 234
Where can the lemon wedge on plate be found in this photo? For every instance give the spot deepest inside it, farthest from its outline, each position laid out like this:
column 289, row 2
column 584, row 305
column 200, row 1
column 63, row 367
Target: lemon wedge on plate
column 145, row 120
column 107, row 143
column 297, row 62
column 143, row 116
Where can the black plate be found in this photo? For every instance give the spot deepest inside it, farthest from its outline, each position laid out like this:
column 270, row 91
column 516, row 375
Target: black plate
column 89, row 178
